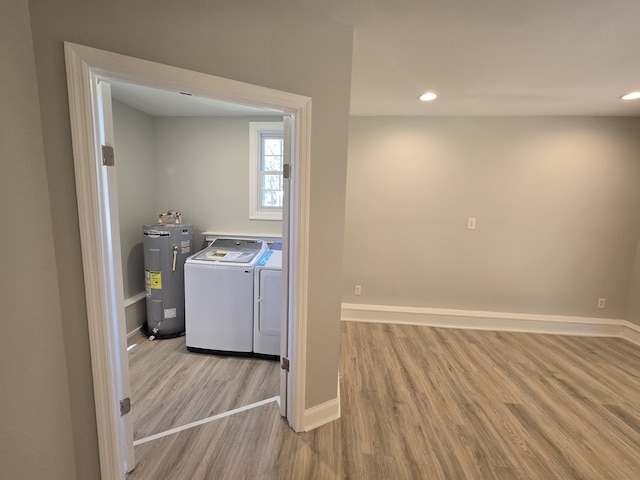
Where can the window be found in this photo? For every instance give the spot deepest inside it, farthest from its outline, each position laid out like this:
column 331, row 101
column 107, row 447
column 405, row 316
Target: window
column 266, row 158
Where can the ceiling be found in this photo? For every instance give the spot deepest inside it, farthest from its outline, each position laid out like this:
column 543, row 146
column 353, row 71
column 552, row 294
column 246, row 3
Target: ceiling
column 494, row 57
column 489, row 57
column 163, row 103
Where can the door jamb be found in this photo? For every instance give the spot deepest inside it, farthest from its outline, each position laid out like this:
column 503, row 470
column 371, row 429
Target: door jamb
column 85, row 65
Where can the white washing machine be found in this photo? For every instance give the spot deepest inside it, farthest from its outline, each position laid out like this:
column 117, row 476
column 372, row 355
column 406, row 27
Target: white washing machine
column 267, row 312
column 218, row 283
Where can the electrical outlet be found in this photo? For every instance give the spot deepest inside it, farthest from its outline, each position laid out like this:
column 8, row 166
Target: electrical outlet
column 602, row 302
column 357, row 290
column 471, row 223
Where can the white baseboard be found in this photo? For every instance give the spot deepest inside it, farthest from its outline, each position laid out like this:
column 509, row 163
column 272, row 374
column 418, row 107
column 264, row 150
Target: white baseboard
column 133, row 332
column 322, row 414
column 129, row 302
column 135, row 299
column 631, row 332
column 478, row 320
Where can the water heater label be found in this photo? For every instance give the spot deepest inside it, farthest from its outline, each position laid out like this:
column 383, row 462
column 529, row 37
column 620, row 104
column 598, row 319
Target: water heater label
column 170, row 313
column 186, row 246
column 153, row 280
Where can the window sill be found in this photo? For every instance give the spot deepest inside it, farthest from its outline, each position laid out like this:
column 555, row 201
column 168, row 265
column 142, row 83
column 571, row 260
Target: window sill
column 266, row 216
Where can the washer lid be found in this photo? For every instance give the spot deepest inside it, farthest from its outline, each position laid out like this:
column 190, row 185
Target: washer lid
column 227, row 256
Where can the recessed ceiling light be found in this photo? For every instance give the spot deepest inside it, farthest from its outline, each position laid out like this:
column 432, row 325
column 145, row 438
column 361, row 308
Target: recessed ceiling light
column 631, row 96
column 427, row 97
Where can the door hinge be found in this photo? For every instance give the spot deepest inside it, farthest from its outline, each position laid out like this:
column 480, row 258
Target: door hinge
column 286, row 172
column 108, row 157
column 284, row 365
column 125, row 406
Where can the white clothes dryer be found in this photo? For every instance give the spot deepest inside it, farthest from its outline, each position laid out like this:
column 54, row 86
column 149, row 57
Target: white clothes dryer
column 267, row 314
column 219, row 296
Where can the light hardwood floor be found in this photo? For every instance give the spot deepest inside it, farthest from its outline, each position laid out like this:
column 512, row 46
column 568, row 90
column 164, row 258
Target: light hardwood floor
column 430, row 403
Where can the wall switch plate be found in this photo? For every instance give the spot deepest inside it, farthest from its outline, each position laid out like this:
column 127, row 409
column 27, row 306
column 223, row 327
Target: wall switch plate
column 471, row 223
column 357, row 290
column 602, row 302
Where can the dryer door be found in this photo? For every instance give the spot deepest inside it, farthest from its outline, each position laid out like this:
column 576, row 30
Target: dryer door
column 270, row 305
column 268, row 319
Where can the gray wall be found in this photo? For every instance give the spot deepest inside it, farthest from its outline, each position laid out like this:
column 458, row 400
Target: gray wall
column 203, row 171
column 279, row 45
column 557, row 202
column 35, row 415
column 136, row 175
column 134, row 137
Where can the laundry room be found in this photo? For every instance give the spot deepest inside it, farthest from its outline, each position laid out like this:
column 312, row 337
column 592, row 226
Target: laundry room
column 190, row 158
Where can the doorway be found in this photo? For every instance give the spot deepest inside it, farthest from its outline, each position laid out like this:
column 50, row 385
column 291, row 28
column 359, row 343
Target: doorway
column 85, row 67
column 189, row 154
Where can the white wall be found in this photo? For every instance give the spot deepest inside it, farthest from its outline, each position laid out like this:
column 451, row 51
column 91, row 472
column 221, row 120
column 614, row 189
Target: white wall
column 35, row 409
column 557, row 202
column 283, row 45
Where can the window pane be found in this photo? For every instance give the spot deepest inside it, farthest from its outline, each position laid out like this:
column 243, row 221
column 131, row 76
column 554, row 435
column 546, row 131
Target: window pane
column 272, row 152
column 272, row 199
column 270, row 166
column 272, row 182
column 272, row 146
column 273, row 163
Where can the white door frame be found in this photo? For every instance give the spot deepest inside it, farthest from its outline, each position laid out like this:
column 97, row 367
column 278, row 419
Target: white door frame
column 111, row 263
column 85, row 66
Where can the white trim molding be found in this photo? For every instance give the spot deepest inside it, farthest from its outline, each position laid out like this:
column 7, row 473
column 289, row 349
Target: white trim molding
column 298, row 271
column 631, row 332
column 479, row 320
column 97, row 270
column 129, row 302
column 256, row 129
column 133, row 332
column 324, row 413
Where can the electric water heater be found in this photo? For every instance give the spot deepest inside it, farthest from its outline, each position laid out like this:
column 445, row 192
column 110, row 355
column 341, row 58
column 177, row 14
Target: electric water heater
column 166, row 247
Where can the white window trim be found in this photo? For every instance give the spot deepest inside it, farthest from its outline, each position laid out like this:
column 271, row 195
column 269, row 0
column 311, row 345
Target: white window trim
column 255, row 213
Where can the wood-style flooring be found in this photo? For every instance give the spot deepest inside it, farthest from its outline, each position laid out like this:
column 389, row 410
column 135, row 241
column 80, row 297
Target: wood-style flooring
column 171, row 386
column 432, row 403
